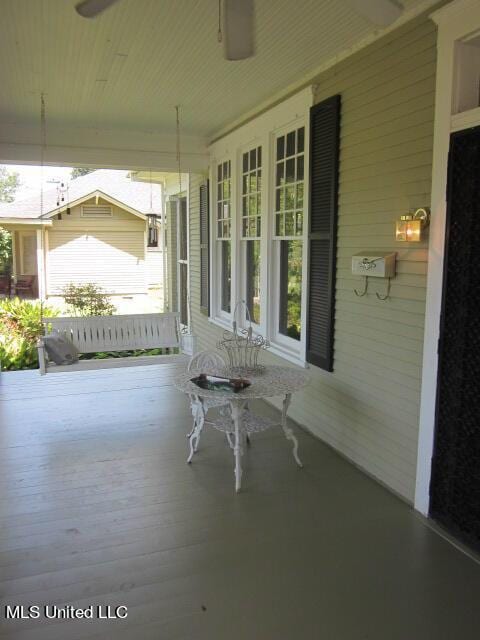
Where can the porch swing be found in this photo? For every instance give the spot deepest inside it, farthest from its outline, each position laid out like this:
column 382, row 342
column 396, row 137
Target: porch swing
column 65, row 339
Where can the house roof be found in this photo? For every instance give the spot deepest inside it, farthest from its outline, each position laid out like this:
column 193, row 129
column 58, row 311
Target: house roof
column 140, row 197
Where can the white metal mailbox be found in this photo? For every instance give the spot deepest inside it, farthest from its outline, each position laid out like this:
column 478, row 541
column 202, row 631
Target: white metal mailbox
column 379, row 264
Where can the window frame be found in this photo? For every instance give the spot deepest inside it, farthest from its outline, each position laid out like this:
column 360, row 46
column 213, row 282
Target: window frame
column 222, row 317
column 284, row 345
column 262, row 131
column 241, row 285
column 185, row 262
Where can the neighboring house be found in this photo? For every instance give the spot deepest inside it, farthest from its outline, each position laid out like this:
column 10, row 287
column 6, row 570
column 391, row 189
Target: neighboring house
column 100, row 232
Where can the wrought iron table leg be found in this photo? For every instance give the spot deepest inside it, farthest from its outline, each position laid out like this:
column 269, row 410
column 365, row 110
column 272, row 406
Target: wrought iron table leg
column 288, row 431
column 237, row 409
column 195, row 435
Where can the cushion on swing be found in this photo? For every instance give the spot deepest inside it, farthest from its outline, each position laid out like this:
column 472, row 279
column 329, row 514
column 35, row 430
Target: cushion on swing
column 59, row 349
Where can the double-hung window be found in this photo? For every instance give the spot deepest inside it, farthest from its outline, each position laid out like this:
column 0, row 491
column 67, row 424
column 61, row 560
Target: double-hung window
column 269, row 247
column 289, row 169
column 251, row 229
column 223, row 230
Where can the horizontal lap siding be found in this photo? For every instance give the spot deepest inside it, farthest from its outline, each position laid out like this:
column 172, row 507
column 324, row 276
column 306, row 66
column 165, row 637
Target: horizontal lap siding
column 368, row 408
column 113, row 260
column 109, row 251
column 154, row 268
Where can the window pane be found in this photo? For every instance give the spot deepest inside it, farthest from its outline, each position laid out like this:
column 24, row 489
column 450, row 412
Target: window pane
column 290, row 197
column 299, row 223
column 277, row 199
column 280, row 174
column 280, row 148
column 289, row 223
column 183, row 230
column 300, row 170
column 290, row 288
column 253, row 279
column 291, row 143
column 253, row 159
column 259, row 157
column 252, row 205
column 299, row 196
column 226, row 275
column 300, row 140
column 219, row 173
column 245, row 162
column 279, row 224
column 183, row 293
column 290, row 170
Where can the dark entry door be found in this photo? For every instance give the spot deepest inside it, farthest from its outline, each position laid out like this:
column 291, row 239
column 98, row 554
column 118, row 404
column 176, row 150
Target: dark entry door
column 455, row 485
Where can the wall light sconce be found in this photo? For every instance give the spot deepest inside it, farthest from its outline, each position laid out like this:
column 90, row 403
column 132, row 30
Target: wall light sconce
column 409, row 228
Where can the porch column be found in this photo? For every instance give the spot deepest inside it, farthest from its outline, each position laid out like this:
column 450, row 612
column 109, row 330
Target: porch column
column 14, row 255
column 41, row 264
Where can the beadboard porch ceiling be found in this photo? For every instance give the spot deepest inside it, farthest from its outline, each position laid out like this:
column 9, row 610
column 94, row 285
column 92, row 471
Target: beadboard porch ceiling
column 127, row 69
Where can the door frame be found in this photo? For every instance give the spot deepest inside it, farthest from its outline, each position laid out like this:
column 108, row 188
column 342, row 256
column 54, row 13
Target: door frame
column 455, row 22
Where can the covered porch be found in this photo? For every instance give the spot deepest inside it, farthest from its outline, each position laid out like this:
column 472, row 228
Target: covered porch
column 98, row 506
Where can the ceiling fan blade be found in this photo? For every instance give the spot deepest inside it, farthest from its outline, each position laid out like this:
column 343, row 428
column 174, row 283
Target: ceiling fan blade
column 92, row 8
column 379, row 12
column 239, row 29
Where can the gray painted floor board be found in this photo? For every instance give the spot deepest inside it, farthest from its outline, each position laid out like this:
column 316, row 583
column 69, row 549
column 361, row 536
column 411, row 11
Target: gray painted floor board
column 97, row 506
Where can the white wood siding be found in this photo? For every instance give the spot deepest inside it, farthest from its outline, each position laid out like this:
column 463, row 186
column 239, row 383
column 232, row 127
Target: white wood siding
column 368, row 408
column 109, row 252
column 154, row 268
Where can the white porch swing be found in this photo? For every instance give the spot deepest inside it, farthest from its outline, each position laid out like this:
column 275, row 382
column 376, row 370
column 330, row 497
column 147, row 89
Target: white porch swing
column 93, row 334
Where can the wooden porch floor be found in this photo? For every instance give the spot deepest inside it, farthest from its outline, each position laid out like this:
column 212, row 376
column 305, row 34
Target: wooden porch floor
column 98, row 507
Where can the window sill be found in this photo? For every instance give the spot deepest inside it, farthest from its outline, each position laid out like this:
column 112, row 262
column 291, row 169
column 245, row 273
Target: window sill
column 221, row 322
column 287, row 354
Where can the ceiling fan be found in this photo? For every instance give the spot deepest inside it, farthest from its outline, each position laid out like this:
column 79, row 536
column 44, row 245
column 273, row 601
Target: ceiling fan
column 236, row 32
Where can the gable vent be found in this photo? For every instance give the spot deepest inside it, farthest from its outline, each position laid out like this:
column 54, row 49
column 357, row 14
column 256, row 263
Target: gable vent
column 96, row 211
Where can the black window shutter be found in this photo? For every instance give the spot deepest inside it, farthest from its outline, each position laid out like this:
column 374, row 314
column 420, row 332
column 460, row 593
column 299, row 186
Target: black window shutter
column 204, row 262
column 324, row 156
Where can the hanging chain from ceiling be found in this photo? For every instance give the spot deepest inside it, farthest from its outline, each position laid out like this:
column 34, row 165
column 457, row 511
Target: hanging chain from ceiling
column 177, row 110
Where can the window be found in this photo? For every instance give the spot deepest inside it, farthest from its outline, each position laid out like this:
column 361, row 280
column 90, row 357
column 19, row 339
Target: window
column 182, row 259
column 251, row 228
column 204, row 259
column 224, row 221
column 260, row 236
column 289, row 215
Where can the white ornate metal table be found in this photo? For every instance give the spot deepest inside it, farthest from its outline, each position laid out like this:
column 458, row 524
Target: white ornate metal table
column 272, row 381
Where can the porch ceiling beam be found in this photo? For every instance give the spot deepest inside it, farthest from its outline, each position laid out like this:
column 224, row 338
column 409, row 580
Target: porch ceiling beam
column 24, row 222
column 102, row 148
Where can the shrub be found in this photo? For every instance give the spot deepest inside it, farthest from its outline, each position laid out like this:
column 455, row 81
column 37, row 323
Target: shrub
column 20, row 328
column 87, row 300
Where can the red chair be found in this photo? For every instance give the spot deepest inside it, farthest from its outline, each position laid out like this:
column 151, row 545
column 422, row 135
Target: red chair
column 24, row 285
column 5, row 285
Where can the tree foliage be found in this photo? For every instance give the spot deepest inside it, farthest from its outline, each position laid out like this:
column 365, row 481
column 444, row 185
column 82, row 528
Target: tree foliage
column 87, row 300
column 20, row 328
column 80, row 171
column 9, row 183
column 5, row 250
